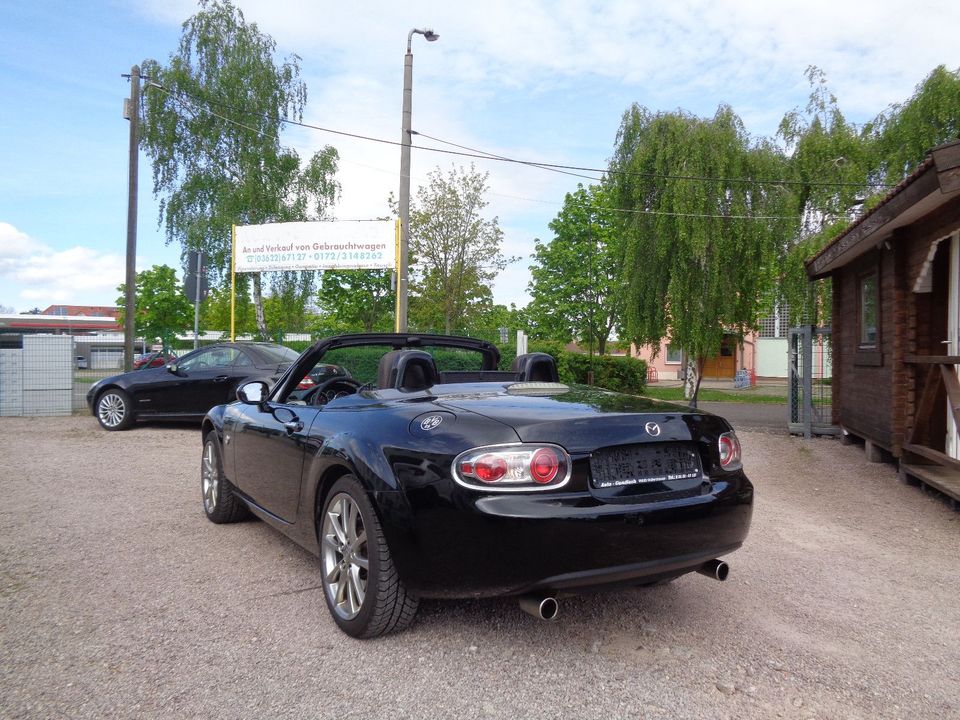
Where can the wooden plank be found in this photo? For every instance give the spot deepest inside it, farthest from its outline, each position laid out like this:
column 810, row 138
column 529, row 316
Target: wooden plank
column 952, row 385
column 946, row 156
column 921, row 416
column 946, row 480
column 932, row 455
column 933, row 359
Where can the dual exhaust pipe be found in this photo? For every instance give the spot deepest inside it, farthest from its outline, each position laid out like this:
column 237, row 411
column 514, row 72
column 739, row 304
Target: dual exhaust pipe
column 546, row 607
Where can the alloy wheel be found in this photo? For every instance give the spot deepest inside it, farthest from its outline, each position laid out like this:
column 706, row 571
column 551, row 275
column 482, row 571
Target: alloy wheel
column 210, row 477
column 345, row 563
column 111, row 409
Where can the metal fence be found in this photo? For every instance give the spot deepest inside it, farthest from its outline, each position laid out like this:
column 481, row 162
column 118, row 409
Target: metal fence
column 810, row 381
column 43, row 375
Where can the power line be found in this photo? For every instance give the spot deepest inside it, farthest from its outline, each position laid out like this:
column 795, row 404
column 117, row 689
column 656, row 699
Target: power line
column 483, row 155
column 625, row 211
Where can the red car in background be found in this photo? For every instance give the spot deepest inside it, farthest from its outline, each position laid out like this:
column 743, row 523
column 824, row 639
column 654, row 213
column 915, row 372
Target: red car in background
column 152, row 360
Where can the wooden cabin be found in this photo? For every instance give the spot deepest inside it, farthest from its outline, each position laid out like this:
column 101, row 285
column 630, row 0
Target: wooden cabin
column 896, row 324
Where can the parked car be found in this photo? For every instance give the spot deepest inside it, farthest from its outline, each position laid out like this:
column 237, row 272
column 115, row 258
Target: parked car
column 321, row 373
column 81, row 361
column 186, row 388
column 429, row 473
column 153, row 359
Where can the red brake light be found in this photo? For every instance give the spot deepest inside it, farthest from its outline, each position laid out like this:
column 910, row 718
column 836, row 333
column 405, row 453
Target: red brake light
column 544, row 465
column 490, row 468
column 729, row 447
column 513, row 468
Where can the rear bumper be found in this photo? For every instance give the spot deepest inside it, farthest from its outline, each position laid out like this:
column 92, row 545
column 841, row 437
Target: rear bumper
column 457, row 543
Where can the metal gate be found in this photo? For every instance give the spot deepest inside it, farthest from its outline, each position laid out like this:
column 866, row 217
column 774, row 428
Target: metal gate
column 810, row 382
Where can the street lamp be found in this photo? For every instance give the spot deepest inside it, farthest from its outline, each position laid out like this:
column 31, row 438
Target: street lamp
column 402, row 284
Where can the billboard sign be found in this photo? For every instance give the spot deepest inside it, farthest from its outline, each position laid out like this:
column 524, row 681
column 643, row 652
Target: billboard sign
column 337, row 245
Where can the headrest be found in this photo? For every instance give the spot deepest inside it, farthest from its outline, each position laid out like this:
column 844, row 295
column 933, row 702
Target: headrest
column 535, row 367
column 408, row 370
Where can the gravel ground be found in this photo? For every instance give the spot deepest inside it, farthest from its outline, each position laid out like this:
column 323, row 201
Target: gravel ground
column 118, row 599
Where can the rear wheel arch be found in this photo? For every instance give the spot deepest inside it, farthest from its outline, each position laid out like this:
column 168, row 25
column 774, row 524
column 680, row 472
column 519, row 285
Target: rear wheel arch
column 327, row 480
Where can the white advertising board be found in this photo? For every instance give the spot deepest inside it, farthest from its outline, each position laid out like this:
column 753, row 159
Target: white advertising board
column 339, row 245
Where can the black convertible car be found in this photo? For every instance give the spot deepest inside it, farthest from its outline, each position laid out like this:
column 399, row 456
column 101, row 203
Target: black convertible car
column 186, row 387
column 429, row 473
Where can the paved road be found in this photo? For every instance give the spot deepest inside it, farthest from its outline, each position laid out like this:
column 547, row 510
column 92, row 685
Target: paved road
column 119, row 600
column 751, row 416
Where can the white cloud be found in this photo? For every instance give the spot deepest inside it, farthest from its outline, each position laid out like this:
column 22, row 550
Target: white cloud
column 548, row 80
column 41, row 274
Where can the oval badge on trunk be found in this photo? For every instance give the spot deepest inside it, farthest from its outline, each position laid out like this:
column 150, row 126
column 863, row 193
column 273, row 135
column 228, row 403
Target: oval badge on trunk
column 652, row 429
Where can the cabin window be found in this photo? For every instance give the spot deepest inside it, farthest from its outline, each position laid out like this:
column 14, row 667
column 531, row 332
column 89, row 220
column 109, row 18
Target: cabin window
column 869, row 304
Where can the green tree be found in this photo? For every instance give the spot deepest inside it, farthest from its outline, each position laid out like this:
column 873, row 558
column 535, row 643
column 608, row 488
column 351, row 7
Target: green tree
column 455, row 251
column 215, row 310
column 162, row 310
column 356, row 300
column 907, row 131
column 830, row 164
column 699, row 254
column 212, row 121
column 576, row 277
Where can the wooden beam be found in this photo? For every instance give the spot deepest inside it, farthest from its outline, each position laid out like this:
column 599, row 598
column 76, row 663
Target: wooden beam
column 932, row 359
column 933, row 455
column 952, row 385
column 921, row 416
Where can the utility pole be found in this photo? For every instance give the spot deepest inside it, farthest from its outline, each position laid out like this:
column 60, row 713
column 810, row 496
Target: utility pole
column 132, row 113
column 404, row 198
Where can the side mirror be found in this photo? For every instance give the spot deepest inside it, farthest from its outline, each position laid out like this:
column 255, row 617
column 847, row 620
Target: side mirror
column 253, row 393
column 173, row 369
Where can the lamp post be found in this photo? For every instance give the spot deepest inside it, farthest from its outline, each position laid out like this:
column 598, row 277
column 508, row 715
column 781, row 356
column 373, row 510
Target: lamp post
column 402, row 284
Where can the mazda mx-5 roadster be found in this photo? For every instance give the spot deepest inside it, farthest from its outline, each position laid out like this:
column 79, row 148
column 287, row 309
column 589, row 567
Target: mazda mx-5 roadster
column 423, row 470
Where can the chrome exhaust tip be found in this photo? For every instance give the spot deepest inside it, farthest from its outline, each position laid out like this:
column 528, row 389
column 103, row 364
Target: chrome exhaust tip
column 716, row 569
column 542, row 607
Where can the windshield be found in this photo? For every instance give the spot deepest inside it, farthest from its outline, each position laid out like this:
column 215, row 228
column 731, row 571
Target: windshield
column 277, row 353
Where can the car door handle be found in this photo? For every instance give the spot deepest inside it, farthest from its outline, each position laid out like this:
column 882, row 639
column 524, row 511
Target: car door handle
column 293, row 426
column 221, row 378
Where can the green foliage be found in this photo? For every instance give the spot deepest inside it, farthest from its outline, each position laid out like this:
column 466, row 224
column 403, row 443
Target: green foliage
column 576, row 276
column 906, row 132
column 358, row 300
column 162, row 310
column 215, row 310
column 455, row 251
column 620, row 374
column 699, row 256
column 675, row 394
column 211, row 126
column 842, row 171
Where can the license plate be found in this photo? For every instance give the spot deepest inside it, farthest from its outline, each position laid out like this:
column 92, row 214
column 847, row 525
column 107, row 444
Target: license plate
column 641, row 464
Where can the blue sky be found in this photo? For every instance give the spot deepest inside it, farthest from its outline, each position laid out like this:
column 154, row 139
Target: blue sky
column 537, row 80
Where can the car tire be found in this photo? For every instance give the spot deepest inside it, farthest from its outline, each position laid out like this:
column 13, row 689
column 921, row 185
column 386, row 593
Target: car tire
column 364, row 601
column 220, row 504
column 114, row 409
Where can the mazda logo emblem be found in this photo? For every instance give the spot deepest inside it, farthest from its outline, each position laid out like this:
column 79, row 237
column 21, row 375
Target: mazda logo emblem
column 652, row 429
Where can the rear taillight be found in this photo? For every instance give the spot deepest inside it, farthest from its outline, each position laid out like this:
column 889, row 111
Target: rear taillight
column 729, row 447
column 513, row 468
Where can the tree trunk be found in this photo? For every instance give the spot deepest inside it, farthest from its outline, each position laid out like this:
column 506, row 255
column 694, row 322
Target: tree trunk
column 258, row 307
column 690, row 379
column 691, row 385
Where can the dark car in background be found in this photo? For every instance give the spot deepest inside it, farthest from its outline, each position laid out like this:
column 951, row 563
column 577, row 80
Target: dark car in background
column 187, row 387
column 429, row 472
